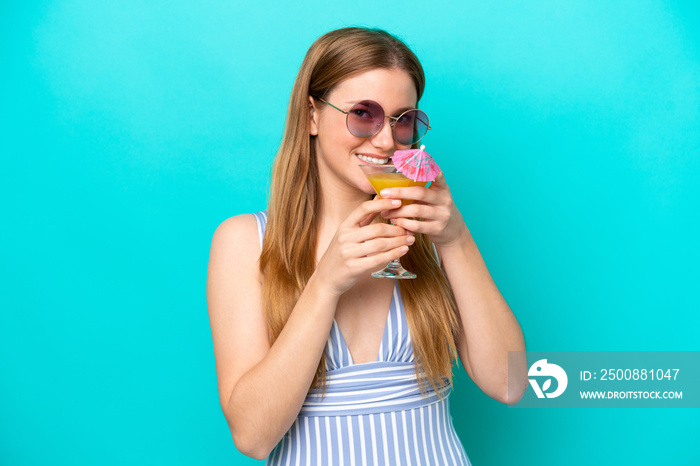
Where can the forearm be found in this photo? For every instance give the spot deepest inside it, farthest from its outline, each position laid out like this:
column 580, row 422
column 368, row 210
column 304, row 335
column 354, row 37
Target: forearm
column 490, row 328
column 267, row 399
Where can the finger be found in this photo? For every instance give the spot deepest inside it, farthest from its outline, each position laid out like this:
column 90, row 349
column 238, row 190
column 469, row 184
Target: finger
column 424, row 211
column 381, row 245
column 377, row 261
column 439, row 180
column 414, row 193
column 378, row 230
column 415, row 226
column 368, row 220
column 367, row 208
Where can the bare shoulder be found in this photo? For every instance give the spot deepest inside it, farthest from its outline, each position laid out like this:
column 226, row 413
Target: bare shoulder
column 238, row 237
column 234, row 301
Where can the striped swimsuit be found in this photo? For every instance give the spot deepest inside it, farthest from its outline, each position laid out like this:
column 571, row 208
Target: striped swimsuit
column 372, row 413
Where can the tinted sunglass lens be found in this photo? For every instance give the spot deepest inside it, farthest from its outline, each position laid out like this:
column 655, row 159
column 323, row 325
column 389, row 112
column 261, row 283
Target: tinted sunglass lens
column 411, row 127
column 365, row 119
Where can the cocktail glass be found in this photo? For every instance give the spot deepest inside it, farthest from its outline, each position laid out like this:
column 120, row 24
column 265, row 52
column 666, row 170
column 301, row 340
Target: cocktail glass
column 387, row 176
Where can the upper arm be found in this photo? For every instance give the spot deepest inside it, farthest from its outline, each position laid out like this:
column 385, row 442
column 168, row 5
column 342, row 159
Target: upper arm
column 234, row 301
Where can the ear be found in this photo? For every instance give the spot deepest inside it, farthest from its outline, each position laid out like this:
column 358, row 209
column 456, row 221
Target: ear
column 313, row 117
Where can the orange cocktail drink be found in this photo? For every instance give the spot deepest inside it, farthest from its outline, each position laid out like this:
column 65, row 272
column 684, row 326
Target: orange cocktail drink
column 381, row 181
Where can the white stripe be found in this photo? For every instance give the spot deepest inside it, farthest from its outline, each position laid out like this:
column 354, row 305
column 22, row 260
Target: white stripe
column 408, row 347
column 363, row 392
column 328, row 443
column 374, row 438
column 390, row 324
column 422, row 428
column 289, row 450
column 340, row 442
column 298, row 460
column 395, row 432
column 345, row 358
column 281, row 449
column 451, row 432
column 408, row 374
column 457, row 442
column 377, row 379
column 442, row 390
column 444, row 432
column 430, row 395
column 430, row 427
column 405, row 437
column 307, row 434
column 389, row 342
column 438, row 408
column 334, row 390
column 349, row 407
column 437, row 256
column 260, row 232
column 394, row 367
column 331, row 352
column 343, row 350
column 415, row 436
column 351, row 443
column 362, row 439
column 336, row 330
column 386, row 445
column 318, row 442
column 423, row 425
column 383, row 369
column 275, row 452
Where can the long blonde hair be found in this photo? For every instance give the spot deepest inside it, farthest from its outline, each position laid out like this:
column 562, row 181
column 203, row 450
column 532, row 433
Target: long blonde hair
column 288, row 256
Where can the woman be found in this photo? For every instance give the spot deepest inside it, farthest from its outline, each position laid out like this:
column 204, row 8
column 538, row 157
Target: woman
column 318, row 362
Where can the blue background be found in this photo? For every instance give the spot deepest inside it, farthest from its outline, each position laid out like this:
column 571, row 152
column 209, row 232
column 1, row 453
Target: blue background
column 569, row 133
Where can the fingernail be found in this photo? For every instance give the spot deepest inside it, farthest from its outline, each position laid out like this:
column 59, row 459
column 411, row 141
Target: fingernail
column 385, row 192
column 396, row 202
column 404, row 249
column 385, row 213
column 393, row 220
column 411, row 239
column 410, row 233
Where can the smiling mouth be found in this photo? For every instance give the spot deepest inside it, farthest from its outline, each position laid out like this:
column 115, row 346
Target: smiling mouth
column 373, row 160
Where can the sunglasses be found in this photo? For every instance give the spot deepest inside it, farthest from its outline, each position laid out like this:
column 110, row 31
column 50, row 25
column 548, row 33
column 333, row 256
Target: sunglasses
column 366, row 118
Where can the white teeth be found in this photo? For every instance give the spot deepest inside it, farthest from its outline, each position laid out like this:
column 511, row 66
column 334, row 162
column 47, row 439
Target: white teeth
column 364, row 158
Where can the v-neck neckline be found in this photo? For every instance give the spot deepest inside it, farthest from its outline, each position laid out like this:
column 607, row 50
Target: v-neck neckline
column 392, row 308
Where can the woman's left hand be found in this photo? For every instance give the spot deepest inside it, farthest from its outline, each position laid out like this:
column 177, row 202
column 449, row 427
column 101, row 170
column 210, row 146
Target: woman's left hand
column 433, row 212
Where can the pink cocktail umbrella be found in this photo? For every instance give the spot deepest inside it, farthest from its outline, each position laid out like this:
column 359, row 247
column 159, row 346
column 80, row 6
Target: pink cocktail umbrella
column 416, row 164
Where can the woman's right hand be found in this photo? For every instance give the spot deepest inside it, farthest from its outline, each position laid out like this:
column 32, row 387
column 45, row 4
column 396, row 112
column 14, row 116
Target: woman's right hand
column 360, row 247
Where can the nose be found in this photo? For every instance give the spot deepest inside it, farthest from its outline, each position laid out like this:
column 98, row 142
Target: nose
column 384, row 139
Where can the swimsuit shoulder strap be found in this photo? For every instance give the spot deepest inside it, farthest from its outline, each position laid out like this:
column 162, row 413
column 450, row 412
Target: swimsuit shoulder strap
column 261, row 219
